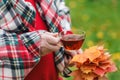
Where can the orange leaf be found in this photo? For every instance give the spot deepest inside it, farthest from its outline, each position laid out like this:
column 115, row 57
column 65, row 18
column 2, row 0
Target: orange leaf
column 92, row 53
column 86, row 71
column 77, row 75
column 87, row 68
column 89, row 76
column 103, row 78
column 105, row 64
column 101, row 58
column 93, row 64
column 79, row 59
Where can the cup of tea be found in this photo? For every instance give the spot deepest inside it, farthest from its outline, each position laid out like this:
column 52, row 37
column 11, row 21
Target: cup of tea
column 72, row 41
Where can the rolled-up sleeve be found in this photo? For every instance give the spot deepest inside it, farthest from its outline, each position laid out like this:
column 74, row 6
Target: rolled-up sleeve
column 18, row 54
column 32, row 41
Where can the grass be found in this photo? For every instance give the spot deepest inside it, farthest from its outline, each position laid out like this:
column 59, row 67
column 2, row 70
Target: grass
column 100, row 19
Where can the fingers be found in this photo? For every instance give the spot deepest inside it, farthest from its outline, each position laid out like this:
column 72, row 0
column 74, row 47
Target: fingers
column 49, row 42
column 52, row 34
column 48, row 46
column 52, row 40
column 53, row 47
column 44, row 50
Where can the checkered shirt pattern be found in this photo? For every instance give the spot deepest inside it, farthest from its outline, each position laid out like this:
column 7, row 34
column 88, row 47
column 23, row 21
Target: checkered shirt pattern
column 19, row 48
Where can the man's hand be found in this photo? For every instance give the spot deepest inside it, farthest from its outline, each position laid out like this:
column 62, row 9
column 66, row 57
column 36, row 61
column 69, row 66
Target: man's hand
column 49, row 43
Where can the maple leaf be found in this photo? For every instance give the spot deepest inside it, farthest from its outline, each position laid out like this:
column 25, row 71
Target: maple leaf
column 89, row 76
column 99, row 71
column 77, row 75
column 86, row 68
column 93, row 64
column 92, row 53
column 112, row 68
column 105, row 64
column 80, row 59
column 102, row 78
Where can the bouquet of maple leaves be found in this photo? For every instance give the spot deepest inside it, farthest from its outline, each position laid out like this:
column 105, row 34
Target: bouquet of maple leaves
column 93, row 64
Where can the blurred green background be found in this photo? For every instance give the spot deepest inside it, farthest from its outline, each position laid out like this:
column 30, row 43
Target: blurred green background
column 101, row 21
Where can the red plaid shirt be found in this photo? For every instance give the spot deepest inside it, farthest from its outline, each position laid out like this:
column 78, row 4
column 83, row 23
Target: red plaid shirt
column 19, row 48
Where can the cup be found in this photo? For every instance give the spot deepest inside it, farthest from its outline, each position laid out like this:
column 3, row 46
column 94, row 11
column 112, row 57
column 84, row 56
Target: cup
column 72, row 41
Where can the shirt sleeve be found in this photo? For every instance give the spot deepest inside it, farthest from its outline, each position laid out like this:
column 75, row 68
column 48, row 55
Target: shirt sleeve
column 32, row 41
column 18, row 54
column 16, row 16
column 24, row 9
column 56, row 14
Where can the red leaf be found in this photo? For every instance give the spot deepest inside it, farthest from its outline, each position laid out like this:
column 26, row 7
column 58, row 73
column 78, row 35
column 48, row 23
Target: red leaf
column 99, row 71
column 112, row 68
